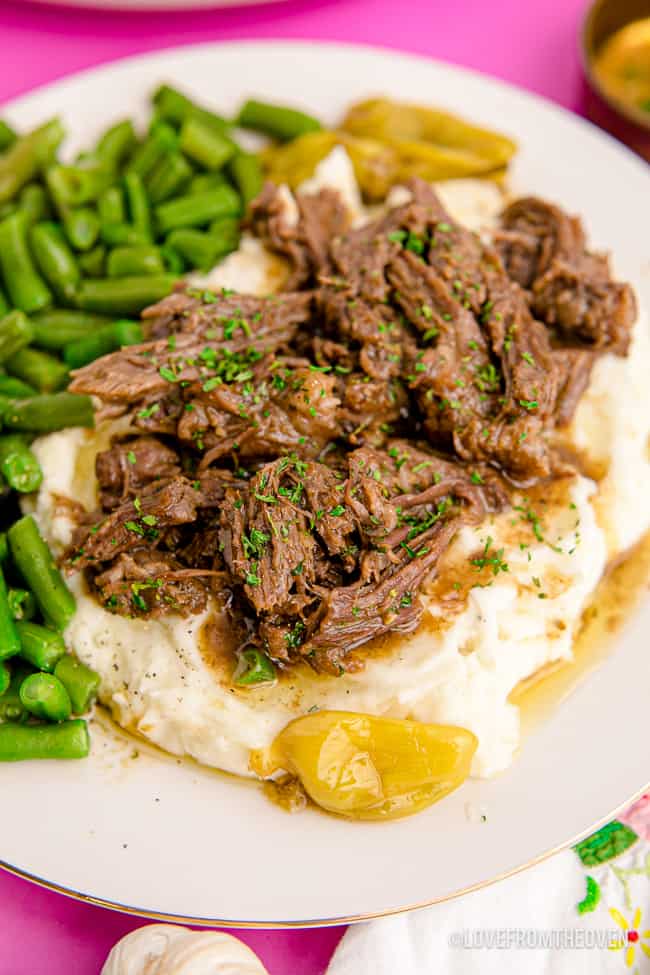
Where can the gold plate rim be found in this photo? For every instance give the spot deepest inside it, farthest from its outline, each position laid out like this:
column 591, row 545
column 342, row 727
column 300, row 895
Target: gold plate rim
column 315, row 923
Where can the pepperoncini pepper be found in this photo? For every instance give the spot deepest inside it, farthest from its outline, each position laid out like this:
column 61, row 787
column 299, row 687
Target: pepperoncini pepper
column 365, row 767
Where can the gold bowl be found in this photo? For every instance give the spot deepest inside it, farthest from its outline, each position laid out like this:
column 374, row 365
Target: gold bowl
column 627, row 122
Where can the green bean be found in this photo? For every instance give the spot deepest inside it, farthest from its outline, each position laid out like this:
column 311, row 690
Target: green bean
column 125, row 261
column 246, row 172
column 81, row 227
column 19, row 742
column 198, row 209
column 93, row 262
column 7, row 135
column 26, row 288
column 209, row 148
column 44, row 414
column 168, row 177
column 10, row 643
column 20, row 163
column 276, row 120
column 39, row 645
column 19, row 465
column 15, row 388
column 138, row 203
column 44, row 696
column 39, row 369
column 77, row 185
column 173, row 105
column 124, row 296
column 33, row 203
column 163, row 139
column 199, row 249
column 55, row 328
column 117, row 143
column 204, row 182
column 34, row 561
column 80, row 681
column 123, row 235
column 15, row 332
column 55, row 260
column 22, row 604
column 258, row 669
column 11, row 707
column 101, row 342
column 173, row 260
column 5, row 680
column 4, row 548
column 111, row 206
column 4, row 304
column 226, row 232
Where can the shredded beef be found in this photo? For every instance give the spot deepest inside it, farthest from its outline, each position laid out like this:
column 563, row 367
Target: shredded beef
column 309, row 457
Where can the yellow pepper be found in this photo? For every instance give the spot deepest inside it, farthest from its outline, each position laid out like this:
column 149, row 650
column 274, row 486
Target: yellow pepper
column 365, row 767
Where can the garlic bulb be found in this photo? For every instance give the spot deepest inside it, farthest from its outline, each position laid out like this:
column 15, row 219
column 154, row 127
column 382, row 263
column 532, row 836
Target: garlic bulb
column 168, row 949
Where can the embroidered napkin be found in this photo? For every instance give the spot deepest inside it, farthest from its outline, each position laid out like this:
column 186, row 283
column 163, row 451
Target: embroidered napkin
column 585, row 911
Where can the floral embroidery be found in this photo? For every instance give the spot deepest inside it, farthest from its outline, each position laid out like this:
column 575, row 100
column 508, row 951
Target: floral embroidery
column 607, row 843
column 633, row 938
column 637, row 817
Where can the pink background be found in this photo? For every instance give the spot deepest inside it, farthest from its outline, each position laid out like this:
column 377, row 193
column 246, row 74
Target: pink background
column 532, row 43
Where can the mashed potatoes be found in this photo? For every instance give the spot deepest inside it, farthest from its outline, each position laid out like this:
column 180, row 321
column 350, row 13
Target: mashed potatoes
column 481, row 633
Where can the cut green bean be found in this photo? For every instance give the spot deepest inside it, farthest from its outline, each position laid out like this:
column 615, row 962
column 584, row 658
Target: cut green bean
column 199, row 249
column 173, row 260
column 39, row 369
column 173, row 105
column 44, row 696
column 33, row 203
column 54, row 329
column 11, row 707
column 22, row 604
column 40, row 646
column 111, row 206
column 10, row 643
column 209, row 148
column 44, row 414
column 93, row 263
column 124, row 296
column 117, row 143
column 80, row 681
column 35, row 563
column 18, row 464
column 246, row 172
column 27, row 290
column 21, row 742
column 255, row 668
column 55, row 260
column 123, row 235
column 277, row 121
column 169, row 177
column 162, row 140
column 125, row 261
column 101, row 342
column 5, row 681
column 15, row 333
column 206, row 181
column 20, row 163
column 198, row 209
column 75, row 186
column 138, row 204
column 15, row 388
column 226, row 233
column 81, row 227
column 7, row 135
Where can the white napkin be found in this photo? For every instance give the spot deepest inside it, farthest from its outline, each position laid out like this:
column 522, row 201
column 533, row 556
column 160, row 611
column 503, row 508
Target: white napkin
column 528, row 923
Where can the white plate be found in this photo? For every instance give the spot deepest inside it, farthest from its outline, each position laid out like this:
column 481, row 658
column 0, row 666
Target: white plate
column 165, row 838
